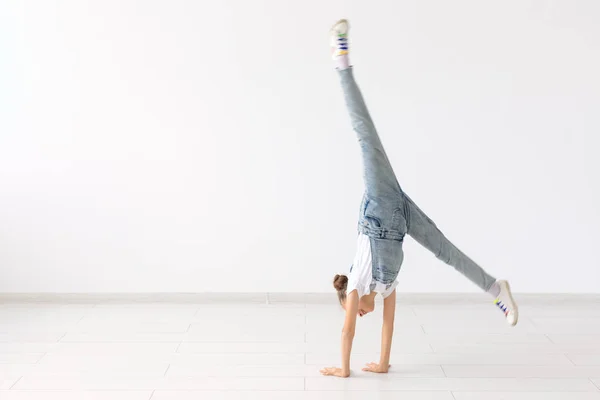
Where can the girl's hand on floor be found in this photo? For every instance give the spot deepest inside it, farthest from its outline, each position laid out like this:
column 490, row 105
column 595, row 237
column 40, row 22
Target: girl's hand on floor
column 376, row 368
column 333, row 371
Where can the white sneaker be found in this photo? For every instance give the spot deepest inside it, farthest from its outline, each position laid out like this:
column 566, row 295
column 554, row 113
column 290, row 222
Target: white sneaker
column 507, row 304
column 339, row 38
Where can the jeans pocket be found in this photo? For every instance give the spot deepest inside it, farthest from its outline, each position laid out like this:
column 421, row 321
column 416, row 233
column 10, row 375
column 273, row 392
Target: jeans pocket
column 371, row 221
column 372, row 214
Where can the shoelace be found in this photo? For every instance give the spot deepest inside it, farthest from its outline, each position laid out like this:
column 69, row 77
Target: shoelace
column 501, row 306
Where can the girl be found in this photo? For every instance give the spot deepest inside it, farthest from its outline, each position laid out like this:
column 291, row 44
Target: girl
column 387, row 214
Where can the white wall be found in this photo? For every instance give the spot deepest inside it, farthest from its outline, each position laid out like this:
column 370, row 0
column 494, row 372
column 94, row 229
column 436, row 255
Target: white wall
column 190, row 146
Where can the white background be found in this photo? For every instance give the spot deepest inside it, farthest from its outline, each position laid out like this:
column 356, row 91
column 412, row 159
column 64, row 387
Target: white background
column 191, row 146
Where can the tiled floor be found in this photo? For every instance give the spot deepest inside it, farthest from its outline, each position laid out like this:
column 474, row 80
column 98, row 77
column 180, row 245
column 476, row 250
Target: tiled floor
column 251, row 349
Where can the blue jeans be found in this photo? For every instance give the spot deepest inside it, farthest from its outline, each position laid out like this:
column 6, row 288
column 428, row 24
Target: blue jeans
column 387, row 214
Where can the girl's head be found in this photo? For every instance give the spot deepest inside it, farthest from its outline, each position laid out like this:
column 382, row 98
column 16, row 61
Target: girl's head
column 340, row 283
column 366, row 304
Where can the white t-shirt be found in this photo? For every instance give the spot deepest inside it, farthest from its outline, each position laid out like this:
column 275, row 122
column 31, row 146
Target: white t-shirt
column 361, row 275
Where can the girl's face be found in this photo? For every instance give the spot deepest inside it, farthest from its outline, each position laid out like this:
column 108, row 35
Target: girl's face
column 365, row 306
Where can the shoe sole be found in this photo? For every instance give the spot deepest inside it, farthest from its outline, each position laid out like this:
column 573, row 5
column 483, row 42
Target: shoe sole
column 512, row 300
column 341, row 21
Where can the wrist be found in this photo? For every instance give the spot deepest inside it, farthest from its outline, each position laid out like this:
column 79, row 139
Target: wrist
column 384, row 365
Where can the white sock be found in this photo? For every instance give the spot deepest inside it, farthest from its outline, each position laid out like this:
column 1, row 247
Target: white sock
column 342, row 62
column 494, row 290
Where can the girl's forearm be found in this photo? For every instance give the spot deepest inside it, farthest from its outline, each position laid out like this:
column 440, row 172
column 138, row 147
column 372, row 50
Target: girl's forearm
column 387, row 332
column 347, row 338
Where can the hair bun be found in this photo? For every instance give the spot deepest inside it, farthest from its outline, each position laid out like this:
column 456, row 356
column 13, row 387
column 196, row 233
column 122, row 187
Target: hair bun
column 340, row 282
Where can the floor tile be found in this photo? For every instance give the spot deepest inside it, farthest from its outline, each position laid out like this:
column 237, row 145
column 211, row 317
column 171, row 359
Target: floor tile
column 27, row 347
column 20, row 358
column 228, row 311
column 483, row 338
column 557, row 311
column 471, row 327
column 15, row 369
column 248, row 334
column 116, row 360
column 20, row 336
column 125, row 337
column 300, row 395
column 435, row 315
column 241, row 359
column 107, row 348
column 70, row 395
column 243, row 347
column 515, row 348
column 526, row 396
column 173, row 383
column 249, row 371
column 517, row 371
column 7, row 381
column 579, row 339
column 83, row 369
column 284, row 322
column 580, row 325
column 585, row 359
column 452, row 384
column 134, row 326
column 141, row 313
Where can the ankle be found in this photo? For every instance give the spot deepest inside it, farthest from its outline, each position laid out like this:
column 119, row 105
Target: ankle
column 495, row 289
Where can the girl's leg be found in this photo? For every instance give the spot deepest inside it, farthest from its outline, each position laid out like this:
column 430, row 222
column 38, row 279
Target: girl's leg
column 380, row 181
column 425, row 232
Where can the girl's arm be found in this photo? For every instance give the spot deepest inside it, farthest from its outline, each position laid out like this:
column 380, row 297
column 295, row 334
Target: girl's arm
column 347, row 337
column 387, row 332
column 348, row 330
